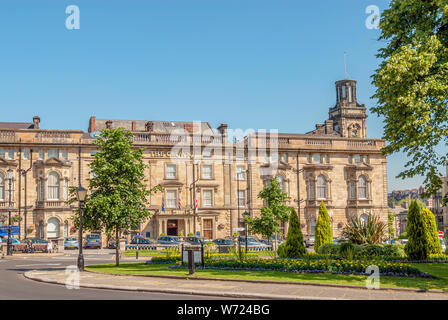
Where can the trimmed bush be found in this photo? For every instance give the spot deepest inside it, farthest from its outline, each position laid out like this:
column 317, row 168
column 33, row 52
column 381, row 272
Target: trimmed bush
column 431, row 232
column 323, row 233
column 329, row 248
column 347, row 250
column 417, row 247
column 294, row 246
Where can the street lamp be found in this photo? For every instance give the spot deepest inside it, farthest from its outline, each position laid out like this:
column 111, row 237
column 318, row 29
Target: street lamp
column 245, row 213
column 81, row 194
column 9, row 247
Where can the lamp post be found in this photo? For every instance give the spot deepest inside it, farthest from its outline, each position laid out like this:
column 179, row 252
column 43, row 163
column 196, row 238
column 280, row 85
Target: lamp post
column 9, row 247
column 245, row 213
column 81, row 194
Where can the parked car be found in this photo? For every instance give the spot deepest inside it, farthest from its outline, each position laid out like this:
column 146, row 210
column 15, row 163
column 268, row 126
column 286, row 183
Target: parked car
column 223, row 242
column 111, row 243
column 442, row 242
column 168, row 240
column 195, row 240
column 403, row 241
column 37, row 241
column 71, row 243
column 141, row 240
column 309, row 241
column 93, row 241
column 252, row 242
column 270, row 241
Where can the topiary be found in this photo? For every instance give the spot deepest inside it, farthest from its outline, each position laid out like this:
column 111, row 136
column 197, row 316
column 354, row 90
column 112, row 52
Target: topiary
column 431, row 232
column 294, row 246
column 417, row 247
column 323, row 233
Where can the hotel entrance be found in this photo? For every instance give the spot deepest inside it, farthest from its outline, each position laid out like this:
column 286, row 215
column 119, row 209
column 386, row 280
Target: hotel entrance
column 171, row 227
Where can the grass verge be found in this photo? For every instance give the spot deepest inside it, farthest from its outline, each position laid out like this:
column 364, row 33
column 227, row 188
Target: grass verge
column 439, row 270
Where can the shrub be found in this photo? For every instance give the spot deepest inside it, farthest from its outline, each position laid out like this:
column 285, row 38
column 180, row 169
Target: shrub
column 329, row 248
column 323, row 233
column 347, row 250
column 417, row 247
column 431, row 232
column 371, row 231
column 294, row 246
column 404, row 235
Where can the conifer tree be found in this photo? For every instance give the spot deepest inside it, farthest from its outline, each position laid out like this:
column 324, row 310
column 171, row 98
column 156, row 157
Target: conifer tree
column 323, row 233
column 294, row 246
column 417, row 247
column 431, row 232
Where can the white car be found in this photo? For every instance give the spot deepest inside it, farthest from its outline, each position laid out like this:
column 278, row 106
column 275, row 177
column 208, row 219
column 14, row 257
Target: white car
column 309, row 241
column 442, row 242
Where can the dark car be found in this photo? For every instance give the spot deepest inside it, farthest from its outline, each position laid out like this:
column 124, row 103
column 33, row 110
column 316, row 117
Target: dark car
column 195, row 240
column 111, row 243
column 140, row 240
column 223, row 242
column 168, row 240
column 93, row 241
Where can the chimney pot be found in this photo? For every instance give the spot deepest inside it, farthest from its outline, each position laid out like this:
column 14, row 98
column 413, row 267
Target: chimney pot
column 36, row 121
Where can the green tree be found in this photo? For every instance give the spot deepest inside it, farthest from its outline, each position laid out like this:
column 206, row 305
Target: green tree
column 294, row 246
column 272, row 214
column 431, row 232
column 390, row 224
column 417, row 247
column 322, row 233
column 412, row 86
column 118, row 197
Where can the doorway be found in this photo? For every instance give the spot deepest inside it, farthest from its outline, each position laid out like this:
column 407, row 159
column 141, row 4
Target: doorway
column 171, row 228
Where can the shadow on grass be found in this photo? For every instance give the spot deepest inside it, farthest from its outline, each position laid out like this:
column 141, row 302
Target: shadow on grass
column 438, row 270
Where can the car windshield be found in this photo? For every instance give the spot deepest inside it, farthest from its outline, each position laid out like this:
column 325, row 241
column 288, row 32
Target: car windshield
column 93, row 236
column 71, row 239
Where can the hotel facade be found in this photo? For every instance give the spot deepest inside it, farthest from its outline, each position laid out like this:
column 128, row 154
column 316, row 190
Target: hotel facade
column 208, row 179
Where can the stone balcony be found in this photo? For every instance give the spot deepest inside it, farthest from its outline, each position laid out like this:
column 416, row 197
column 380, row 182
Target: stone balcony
column 49, row 204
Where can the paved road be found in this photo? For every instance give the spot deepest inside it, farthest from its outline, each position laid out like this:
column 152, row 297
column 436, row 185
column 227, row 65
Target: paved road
column 14, row 286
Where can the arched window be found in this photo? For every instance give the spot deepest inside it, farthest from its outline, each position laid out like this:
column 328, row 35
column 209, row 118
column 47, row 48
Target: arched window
column 311, row 189
column 321, row 187
column 2, row 186
column 53, row 186
column 281, row 181
column 53, row 228
column 362, row 187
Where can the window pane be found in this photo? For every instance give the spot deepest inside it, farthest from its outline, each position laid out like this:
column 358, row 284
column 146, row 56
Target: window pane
column 41, row 154
column 2, row 152
column 2, row 186
column 241, row 198
column 207, row 198
column 316, row 158
column 171, row 198
column 311, row 189
column 53, row 153
column 207, row 172
column 53, row 186
column 240, row 172
column 171, row 171
column 26, row 154
column 362, row 187
column 11, row 154
column 64, row 154
column 321, row 187
column 358, row 158
column 352, row 190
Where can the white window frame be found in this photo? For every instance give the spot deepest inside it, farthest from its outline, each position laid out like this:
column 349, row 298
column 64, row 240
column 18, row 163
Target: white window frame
column 168, row 200
column 168, row 173
column 51, row 189
column 321, row 189
column 204, row 203
column 210, row 176
column 241, row 173
column 241, row 199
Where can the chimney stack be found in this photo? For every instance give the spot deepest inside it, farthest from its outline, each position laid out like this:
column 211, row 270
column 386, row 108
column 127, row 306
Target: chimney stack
column 109, row 124
column 36, row 121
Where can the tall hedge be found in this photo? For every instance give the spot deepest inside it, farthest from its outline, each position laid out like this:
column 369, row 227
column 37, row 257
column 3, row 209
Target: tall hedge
column 417, row 247
column 322, row 233
column 294, row 246
column 431, row 232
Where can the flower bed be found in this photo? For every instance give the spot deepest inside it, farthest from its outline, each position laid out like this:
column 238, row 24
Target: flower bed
column 318, row 266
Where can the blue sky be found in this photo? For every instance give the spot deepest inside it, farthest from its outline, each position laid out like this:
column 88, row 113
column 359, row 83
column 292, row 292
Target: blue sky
column 257, row 64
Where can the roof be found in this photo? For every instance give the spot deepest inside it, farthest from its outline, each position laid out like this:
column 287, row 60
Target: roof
column 16, row 125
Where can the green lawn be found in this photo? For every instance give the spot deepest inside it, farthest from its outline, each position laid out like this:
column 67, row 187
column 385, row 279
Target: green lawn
column 439, row 270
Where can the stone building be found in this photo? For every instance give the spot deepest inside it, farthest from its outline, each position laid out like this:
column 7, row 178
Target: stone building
column 209, row 181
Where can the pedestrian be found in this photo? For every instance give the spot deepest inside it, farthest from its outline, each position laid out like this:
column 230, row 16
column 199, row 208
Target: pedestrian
column 50, row 247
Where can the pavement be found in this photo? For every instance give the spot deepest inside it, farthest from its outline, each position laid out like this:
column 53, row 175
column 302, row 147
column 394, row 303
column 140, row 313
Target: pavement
column 228, row 288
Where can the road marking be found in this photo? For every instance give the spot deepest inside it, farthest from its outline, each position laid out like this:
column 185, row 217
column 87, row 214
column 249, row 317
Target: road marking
column 38, row 264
